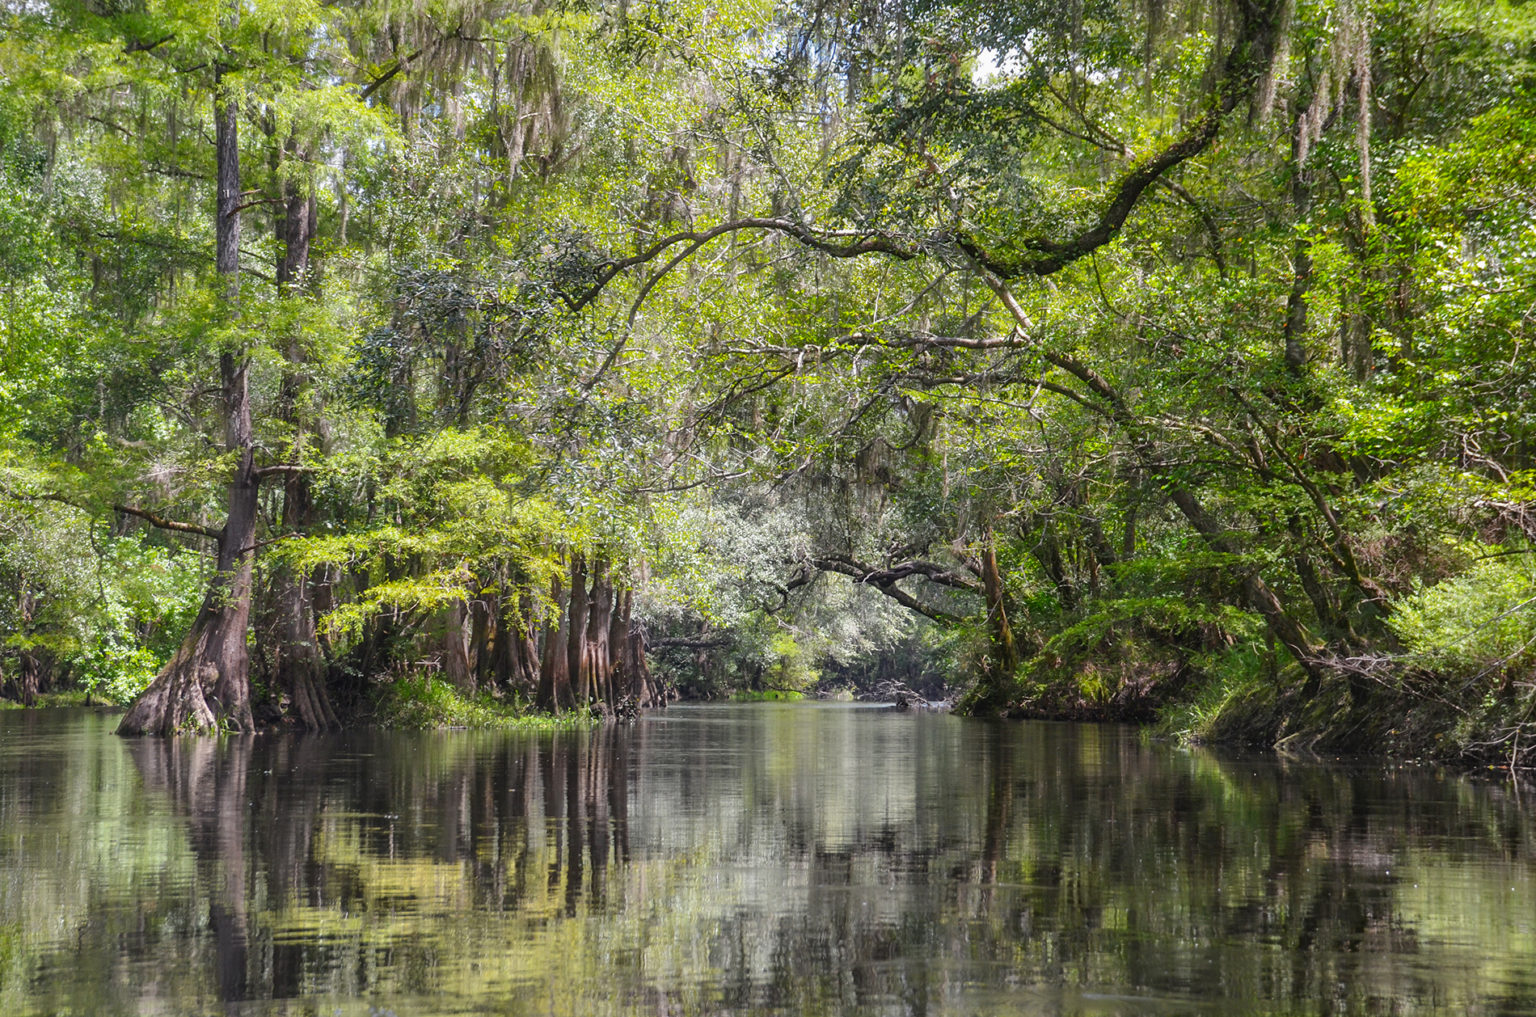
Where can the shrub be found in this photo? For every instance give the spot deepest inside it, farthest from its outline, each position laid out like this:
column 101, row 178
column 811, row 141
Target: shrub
column 1481, row 620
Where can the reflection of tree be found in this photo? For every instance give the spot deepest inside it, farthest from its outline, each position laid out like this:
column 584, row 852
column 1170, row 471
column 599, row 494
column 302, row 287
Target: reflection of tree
column 1100, row 862
column 847, row 862
column 294, row 824
column 204, row 779
column 1188, row 879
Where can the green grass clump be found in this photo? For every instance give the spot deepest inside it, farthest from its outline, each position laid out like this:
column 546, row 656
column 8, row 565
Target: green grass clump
column 1476, row 623
column 766, row 696
column 426, row 703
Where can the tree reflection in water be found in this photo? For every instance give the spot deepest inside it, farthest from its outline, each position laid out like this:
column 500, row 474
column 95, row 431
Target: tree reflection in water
column 768, row 859
column 205, row 779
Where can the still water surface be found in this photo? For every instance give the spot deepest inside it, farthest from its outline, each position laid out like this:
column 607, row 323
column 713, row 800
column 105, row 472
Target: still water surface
column 766, row 859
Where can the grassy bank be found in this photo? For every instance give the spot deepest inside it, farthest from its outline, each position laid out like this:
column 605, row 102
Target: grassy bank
column 50, row 700
column 1394, row 712
column 766, row 696
column 427, row 703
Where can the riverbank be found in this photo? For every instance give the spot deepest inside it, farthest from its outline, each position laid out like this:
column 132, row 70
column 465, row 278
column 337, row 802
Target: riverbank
column 1355, row 710
column 1352, row 708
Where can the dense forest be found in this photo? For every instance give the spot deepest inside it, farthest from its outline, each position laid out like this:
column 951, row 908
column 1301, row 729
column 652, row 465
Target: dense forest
column 1129, row 359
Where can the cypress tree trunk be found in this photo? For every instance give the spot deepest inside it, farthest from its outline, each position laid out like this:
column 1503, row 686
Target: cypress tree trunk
column 599, row 616
column 619, row 666
column 485, row 639
column 526, row 642
column 578, row 661
column 554, row 674
column 29, row 669
column 641, row 684
column 206, row 684
column 300, row 665
column 455, row 655
column 506, row 665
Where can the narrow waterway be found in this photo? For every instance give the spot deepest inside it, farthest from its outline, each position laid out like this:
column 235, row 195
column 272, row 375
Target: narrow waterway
column 792, row 859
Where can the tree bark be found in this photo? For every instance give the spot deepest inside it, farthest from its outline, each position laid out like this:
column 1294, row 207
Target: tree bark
column 1301, row 258
column 455, row 656
column 526, row 642
column 300, row 664
column 485, row 638
column 599, row 616
column 516, row 648
column 620, row 669
column 29, row 669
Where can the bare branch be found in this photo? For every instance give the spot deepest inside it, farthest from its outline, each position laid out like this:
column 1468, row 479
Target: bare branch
column 282, row 468
column 885, row 581
column 836, row 243
column 865, row 573
column 149, row 517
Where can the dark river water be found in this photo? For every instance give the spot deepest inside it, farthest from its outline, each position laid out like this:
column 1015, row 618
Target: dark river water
column 763, row 859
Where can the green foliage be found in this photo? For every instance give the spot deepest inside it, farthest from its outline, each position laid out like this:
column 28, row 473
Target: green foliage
column 117, row 673
column 107, row 610
column 1179, row 618
column 1479, row 621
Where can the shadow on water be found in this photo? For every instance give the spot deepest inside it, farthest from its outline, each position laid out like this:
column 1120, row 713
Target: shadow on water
column 792, row 859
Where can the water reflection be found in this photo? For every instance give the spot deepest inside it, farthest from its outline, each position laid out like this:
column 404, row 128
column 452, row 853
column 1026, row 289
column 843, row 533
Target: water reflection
column 747, row 860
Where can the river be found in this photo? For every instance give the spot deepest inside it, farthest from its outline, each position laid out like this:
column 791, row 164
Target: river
column 794, row 859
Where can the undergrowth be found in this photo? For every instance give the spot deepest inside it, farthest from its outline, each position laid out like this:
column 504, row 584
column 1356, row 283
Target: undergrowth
column 427, row 703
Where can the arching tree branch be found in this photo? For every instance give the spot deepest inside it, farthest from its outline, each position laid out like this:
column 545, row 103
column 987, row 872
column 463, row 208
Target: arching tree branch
column 1245, row 64
column 885, row 580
